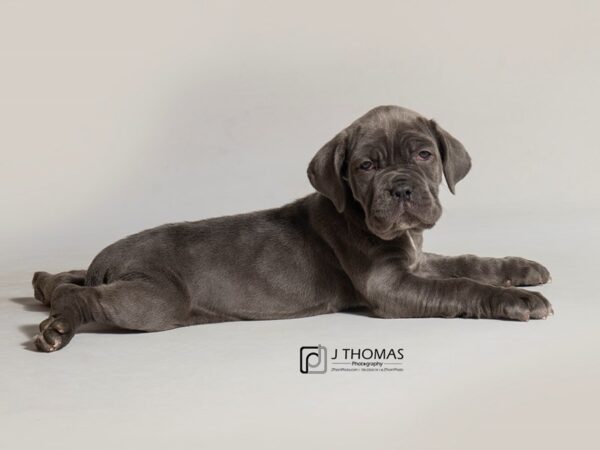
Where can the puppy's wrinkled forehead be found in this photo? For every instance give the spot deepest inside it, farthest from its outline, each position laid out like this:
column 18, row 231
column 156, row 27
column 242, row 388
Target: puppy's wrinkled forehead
column 389, row 129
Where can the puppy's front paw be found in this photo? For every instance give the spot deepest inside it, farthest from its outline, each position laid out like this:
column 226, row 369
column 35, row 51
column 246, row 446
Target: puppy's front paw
column 519, row 304
column 55, row 333
column 523, row 272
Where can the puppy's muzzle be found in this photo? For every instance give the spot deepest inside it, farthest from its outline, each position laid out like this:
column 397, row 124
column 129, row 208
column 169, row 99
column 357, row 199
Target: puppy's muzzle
column 402, row 191
column 406, row 188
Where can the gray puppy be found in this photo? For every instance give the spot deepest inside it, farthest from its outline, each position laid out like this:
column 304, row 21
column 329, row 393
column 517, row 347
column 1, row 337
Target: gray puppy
column 356, row 243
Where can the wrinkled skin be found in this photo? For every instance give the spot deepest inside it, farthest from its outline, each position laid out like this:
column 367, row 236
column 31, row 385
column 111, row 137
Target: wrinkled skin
column 394, row 152
column 356, row 243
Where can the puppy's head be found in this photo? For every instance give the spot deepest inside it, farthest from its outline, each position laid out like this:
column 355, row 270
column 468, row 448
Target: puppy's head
column 391, row 161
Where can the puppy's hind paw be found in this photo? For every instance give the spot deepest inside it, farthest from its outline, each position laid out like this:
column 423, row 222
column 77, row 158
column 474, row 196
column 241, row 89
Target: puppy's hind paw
column 38, row 281
column 55, row 333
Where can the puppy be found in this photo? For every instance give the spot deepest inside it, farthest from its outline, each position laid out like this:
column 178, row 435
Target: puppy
column 355, row 243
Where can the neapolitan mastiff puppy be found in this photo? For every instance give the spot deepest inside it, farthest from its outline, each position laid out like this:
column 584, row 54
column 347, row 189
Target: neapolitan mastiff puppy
column 356, row 243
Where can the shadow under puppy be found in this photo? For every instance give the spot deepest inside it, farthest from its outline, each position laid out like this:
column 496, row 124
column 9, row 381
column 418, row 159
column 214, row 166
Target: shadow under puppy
column 354, row 243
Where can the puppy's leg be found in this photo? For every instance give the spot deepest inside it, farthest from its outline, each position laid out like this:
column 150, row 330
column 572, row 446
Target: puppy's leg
column 394, row 295
column 143, row 305
column 45, row 283
column 508, row 271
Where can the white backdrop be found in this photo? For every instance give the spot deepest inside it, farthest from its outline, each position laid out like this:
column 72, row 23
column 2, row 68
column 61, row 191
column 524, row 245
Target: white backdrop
column 121, row 115
column 118, row 116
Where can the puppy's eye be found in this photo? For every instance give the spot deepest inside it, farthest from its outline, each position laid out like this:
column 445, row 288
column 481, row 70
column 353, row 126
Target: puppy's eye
column 367, row 165
column 424, row 155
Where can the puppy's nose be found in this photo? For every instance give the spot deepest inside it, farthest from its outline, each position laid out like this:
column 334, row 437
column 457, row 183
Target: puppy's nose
column 402, row 192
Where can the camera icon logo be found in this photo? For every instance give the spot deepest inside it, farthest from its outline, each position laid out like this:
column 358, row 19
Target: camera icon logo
column 313, row 359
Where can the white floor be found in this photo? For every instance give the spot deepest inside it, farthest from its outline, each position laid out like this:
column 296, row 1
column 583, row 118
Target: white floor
column 466, row 384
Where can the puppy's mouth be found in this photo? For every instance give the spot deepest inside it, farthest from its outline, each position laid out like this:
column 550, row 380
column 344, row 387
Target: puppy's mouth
column 389, row 222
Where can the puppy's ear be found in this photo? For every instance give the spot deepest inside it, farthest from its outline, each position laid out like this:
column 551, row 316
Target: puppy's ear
column 456, row 162
column 325, row 170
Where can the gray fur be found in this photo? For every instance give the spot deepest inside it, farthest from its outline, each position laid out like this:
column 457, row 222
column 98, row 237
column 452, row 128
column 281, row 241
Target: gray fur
column 356, row 243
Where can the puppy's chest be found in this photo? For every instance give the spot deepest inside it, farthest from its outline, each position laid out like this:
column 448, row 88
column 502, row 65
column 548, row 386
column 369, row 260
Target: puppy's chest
column 412, row 250
column 405, row 251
